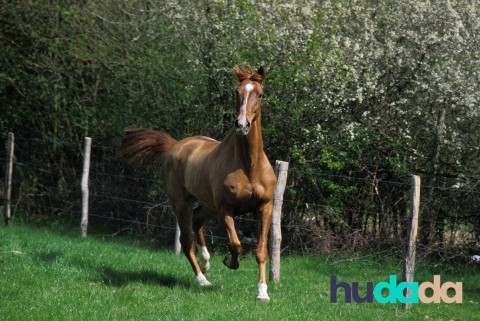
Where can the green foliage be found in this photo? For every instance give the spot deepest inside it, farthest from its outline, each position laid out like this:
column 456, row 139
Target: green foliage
column 353, row 88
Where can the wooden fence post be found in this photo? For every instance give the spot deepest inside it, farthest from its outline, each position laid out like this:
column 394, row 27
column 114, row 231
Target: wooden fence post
column 7, row 215
column 412, row 240
column 85, row 174
column 281, row 170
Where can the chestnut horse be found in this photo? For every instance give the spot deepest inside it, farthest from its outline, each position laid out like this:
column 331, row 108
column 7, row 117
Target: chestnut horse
column 231, row 177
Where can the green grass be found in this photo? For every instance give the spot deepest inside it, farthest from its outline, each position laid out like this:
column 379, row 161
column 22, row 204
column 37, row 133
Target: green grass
column 47, row 275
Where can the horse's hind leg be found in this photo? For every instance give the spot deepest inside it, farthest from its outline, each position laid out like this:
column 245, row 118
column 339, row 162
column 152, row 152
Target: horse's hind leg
column 199, row 216
column 184, row 218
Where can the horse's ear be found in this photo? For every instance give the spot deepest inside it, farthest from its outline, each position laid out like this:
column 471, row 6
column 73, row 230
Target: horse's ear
column 261, row 73
column 240, row 73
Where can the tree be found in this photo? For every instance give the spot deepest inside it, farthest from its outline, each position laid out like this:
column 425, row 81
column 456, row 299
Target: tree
column 357, row 92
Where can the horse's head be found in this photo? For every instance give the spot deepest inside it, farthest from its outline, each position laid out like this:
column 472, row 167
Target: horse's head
column 249, row 98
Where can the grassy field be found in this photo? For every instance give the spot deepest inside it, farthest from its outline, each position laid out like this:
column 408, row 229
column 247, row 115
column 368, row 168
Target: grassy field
column 47, row 275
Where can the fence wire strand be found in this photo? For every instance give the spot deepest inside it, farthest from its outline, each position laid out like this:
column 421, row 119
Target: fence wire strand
column 305, row 228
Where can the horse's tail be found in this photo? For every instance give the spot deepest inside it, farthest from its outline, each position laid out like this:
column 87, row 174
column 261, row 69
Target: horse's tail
column 145, row 144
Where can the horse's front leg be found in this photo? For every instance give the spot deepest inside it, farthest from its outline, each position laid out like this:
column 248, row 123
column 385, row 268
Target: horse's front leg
column 264, row 222
column 226, row 214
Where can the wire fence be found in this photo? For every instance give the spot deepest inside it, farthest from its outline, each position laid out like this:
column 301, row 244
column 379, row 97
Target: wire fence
column 322, row 211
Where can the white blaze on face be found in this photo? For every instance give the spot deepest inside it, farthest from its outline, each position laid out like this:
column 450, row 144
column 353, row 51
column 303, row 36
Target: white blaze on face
column 242, row 117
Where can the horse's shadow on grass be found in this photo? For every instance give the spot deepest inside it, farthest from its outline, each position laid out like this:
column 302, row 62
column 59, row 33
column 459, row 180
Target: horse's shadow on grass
column 49, row 257
column 116, row 278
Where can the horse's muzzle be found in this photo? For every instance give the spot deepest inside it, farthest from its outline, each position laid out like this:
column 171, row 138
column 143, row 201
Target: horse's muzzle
column 242, row 126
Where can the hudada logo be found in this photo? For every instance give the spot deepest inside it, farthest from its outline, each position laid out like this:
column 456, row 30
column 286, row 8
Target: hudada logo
column 397, row 292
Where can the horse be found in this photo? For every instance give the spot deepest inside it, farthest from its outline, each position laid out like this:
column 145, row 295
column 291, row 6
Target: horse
column 230, row 178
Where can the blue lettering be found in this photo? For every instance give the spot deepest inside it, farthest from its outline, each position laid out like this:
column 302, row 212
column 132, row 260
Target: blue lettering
column 402, row 293
column 334, row 288
column 368, row 296
column 391, row 286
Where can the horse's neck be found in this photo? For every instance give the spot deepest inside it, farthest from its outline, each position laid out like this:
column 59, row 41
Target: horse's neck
column 250, row 147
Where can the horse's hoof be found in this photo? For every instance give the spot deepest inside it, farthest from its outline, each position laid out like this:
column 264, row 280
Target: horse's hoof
column 263, row 299
column 262, row 293
column 204, row 266
column 206, row 284
column 227, row 261
column 204, row 259
column 202, row 281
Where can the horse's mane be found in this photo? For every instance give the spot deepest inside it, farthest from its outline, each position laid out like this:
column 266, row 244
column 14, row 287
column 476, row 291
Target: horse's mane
column 248, row 73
